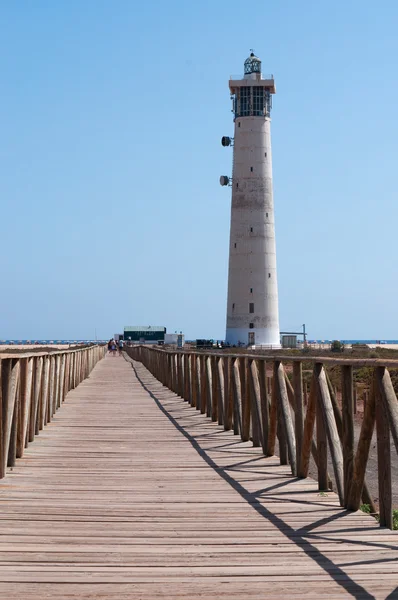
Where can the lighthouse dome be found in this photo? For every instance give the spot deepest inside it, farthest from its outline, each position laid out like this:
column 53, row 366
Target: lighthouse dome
column 252, row 64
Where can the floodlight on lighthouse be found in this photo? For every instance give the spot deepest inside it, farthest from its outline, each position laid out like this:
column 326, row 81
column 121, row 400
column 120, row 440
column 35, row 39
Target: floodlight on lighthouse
column 225, row 180
column 227, row 141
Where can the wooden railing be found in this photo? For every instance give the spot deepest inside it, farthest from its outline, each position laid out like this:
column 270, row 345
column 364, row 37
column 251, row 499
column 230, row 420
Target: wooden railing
column 33, row 387
column 263, row 401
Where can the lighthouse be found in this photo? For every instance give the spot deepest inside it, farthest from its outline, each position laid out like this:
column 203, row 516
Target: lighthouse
column 252, row 305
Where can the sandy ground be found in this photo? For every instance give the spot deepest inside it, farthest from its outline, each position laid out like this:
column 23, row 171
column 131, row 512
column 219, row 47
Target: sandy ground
column 389, row 346
column 327, row 346
column 28, row 347
column 372, row 466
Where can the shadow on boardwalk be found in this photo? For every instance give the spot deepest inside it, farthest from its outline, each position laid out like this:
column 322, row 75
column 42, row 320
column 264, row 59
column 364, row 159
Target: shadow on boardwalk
column 350, row 548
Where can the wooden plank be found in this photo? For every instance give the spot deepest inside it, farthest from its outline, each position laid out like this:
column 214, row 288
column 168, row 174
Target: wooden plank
column 95, row 510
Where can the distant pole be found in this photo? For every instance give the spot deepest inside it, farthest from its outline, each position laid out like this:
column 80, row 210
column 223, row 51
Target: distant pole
column 304, row 334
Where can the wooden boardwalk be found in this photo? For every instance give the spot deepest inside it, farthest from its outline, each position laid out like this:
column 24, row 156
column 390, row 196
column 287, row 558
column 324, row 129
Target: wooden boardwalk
column 131, row 493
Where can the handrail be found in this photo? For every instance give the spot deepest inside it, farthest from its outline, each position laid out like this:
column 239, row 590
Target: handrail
column 27, row 354
column 33, row 386
column 329, row 360
column 255, row 396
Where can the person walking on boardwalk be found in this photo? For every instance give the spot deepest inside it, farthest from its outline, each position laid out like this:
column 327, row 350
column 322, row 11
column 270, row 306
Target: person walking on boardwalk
column 120, row 346
column 113, row 348
column 110, row 346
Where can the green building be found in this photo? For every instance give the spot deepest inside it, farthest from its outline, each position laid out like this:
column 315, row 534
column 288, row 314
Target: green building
column 144, row 334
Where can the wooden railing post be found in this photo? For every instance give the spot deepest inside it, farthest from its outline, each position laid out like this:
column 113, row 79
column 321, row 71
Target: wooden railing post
column 325, row 403
column 323, row 483
column 273, row 412
column 299, row 410
column 180, row 375
column 203, row 386
column 198, row 384
column 12, row 444
column 44, row 396
column 262, row 375
column 347, row 387
column 237, row 397
column 51, row 386
column 209, row 386
column 389, row 399
column 186, row 378
column 26, row 377
column 245, row 398
column 308, row 430
column 214, row 388
column 62, row 378
column 361, row 457
column 169, row 372
column 287, row 422
column 9, row 378
column 228, row 394
column 221, row 389
column 257, row 416
column 383, row 454
column 194, row 373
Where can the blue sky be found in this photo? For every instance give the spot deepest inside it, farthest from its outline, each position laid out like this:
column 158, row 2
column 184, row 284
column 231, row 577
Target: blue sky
column 111, row 119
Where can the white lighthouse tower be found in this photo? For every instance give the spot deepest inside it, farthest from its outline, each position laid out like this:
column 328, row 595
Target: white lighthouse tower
column 252, row 309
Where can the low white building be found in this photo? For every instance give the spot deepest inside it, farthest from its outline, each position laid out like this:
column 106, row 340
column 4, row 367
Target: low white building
column 177, row 339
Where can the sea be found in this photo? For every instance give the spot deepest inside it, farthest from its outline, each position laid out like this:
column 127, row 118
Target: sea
column 47, row 342
column 326, row 341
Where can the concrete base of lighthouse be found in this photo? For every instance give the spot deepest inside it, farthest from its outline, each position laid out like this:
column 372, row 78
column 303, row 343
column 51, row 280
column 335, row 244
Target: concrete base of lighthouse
column 267, row 338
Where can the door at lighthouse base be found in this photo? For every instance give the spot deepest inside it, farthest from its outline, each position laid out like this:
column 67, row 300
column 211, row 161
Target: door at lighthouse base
column 251, row 338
